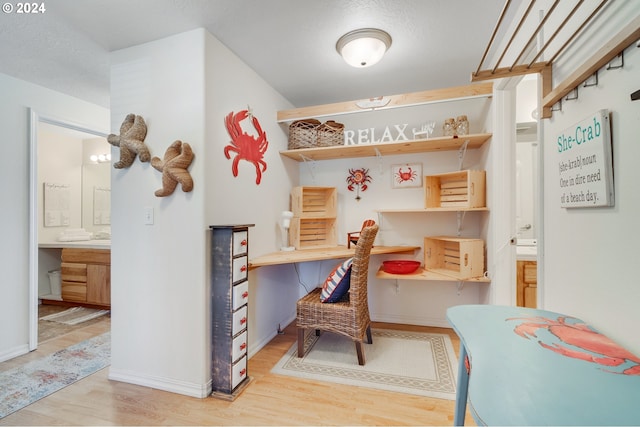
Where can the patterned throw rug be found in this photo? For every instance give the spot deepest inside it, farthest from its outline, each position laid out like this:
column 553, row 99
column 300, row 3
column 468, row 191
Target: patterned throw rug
column 26, row 384
column 408, row 362
column 75, row 315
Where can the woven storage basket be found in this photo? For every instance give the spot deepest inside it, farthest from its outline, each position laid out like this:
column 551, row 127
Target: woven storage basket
column 330, row 133
column 303, row 133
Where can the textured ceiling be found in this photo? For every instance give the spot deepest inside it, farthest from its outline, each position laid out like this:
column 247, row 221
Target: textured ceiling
column 290, row 43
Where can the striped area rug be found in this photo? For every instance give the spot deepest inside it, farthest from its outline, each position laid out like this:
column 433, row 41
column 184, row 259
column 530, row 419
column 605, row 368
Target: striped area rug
column 75, row 315
column 417, row 363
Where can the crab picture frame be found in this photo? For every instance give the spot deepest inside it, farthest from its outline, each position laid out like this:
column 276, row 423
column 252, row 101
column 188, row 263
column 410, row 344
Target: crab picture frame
column 406, row 175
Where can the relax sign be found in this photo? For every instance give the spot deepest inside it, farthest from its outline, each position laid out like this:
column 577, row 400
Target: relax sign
column 585, row 163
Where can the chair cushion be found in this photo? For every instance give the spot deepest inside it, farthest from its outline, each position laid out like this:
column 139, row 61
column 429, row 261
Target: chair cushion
column 337, row 283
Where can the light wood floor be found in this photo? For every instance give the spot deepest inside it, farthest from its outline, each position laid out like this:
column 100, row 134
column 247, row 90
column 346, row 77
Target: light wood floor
column 268, row 400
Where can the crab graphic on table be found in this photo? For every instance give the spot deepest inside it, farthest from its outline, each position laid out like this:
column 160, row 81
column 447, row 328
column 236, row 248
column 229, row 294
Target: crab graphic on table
column 247, row 147
column 579, row 341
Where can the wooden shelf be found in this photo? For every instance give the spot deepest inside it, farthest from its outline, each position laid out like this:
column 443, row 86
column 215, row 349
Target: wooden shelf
column 428, row 210
column 458, row 93
column 427, row 275
column 304, row 255
column 388, row 148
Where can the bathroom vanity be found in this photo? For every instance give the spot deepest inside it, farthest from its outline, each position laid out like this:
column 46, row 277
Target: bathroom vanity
column 85, row 273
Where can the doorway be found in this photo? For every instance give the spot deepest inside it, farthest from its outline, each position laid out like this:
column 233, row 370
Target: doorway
column 527, row 194
column 61, row 216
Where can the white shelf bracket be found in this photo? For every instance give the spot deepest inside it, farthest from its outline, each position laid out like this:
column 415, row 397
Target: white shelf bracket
column 460, row 286
column 460, row 215
column 461, row 153
column 379, row 157
column 311, row 166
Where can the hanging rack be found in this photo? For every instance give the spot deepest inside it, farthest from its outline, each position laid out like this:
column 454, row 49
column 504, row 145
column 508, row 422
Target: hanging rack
column 524, row 64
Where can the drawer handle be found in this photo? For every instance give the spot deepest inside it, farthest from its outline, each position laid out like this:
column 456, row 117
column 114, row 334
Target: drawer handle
column 243, row 346
column 243, row 242
column 243, row 268
column 243, row 372
column 245, row 294
column 243, row 320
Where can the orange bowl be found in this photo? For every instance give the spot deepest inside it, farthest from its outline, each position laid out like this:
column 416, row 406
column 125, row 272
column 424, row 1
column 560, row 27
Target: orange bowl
column 400, row 266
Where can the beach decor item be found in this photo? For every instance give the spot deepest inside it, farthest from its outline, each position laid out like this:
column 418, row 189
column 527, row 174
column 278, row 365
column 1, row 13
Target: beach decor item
column 358, row 179
column 133, row 131
column 174, row 166
column 247, row 147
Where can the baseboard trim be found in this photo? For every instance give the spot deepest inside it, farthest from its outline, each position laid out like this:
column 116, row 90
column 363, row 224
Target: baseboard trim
column 14, row 352
column 161, row 383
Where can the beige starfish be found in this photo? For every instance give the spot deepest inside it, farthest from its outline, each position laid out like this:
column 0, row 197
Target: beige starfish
column 174, row 166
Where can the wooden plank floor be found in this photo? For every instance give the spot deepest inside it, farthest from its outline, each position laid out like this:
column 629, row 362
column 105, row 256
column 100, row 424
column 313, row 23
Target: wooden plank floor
column 268, row 400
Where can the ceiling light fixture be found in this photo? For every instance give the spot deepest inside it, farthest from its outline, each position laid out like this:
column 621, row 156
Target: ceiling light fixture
column 364, row 47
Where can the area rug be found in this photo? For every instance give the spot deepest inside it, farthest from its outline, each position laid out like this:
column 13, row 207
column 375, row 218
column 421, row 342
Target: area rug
column 417, row 363
column 75, row 315
column 32, row 381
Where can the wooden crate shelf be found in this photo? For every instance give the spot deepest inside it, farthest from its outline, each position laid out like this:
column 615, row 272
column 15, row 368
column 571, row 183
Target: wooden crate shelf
column 313, row 232
column 462, row 189
column 314, row 202
column 458, row 257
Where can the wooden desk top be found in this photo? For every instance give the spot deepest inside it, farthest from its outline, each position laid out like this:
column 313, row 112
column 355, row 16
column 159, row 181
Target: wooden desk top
column 536, row 367
column 304, row 255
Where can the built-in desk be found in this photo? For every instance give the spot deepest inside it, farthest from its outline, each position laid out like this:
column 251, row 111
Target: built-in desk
column 337, row 252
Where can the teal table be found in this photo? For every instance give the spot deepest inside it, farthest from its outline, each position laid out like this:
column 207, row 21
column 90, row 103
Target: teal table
column 521, row 366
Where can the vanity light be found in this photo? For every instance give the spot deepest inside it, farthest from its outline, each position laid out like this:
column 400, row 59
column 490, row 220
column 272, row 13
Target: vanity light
column 364, row 47
column 100, row 158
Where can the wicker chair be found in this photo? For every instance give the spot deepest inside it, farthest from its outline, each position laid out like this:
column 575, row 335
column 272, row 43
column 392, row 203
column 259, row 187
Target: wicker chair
column 350, row 315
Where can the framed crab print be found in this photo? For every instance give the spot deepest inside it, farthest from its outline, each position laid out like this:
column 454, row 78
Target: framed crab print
column 406, row 175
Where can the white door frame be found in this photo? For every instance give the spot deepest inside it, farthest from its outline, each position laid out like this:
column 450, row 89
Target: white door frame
column 35, row 119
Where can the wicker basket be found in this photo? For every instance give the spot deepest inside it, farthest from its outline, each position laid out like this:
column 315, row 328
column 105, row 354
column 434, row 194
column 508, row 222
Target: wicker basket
column 330, row 133
column 303, row 134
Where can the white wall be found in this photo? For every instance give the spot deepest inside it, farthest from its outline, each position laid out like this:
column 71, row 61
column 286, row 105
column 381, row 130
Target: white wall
column 590, row 254
column 184, row 86
column 17, row 97
column 59, row 162
column 231, row 86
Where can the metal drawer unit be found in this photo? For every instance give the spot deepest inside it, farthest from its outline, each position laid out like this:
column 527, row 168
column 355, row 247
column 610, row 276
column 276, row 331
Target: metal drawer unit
column 229, row 305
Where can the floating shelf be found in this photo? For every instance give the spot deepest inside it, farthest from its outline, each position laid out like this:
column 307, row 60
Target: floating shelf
column 425, row 210
column 388, row 148
column 427, row 275
column 476, row 90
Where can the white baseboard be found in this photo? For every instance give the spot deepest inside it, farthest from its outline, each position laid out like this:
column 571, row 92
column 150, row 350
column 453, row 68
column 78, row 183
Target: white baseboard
column 161, row 383
column 14, row 352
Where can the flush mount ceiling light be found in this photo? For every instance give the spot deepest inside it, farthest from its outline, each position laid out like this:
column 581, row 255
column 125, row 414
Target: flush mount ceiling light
column 364, row 47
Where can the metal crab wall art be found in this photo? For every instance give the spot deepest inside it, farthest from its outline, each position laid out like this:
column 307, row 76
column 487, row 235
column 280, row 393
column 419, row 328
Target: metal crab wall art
column 358, row 179
column 247, row 147
column 571, row 337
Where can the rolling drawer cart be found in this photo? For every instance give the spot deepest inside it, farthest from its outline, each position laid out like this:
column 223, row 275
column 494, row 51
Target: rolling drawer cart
column 229, row 299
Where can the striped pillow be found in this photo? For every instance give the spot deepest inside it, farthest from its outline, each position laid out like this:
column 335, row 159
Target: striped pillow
column 337, row 283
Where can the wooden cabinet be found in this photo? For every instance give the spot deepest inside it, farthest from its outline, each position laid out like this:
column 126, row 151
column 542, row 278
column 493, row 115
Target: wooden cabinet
column 229, row 305
column 527, row 283
column 86, row 276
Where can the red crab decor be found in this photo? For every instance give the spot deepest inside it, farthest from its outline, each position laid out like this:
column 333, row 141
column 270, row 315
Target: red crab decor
column 571, row 337
column 358, row 179
column 247, row 147
column 406, row 176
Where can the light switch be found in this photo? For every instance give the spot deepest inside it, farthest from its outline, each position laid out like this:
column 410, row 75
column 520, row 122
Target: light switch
column 148, row 216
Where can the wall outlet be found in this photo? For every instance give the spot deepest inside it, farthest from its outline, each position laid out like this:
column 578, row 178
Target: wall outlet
column 148, row 216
